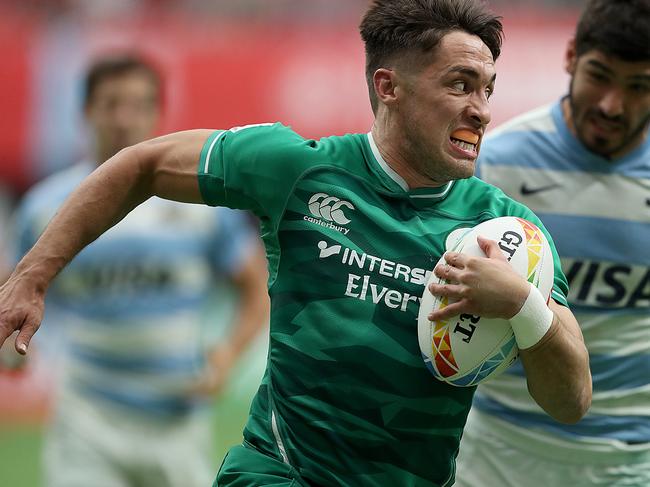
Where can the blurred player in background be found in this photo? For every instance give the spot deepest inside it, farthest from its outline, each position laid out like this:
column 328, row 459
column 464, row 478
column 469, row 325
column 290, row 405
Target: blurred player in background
column 9, row 358
column 353, row 226
column 5, row 233
column 133, row 408
column 583, row 165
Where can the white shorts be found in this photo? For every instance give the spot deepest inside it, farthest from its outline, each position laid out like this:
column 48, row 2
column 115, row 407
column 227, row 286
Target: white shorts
column 494, row 453
column 89, row 444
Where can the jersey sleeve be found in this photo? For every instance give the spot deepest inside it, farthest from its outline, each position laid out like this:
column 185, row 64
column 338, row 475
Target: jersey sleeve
column 252, row 168
column 234, row 241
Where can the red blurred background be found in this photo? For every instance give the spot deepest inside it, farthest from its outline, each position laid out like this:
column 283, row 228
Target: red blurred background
column 225, row 67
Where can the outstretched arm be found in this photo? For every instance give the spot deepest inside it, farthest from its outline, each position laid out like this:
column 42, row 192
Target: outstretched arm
column 557, row 366
column 165, row 167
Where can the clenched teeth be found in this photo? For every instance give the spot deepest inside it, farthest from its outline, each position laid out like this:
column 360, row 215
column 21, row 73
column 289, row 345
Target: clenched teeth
column 464, row 145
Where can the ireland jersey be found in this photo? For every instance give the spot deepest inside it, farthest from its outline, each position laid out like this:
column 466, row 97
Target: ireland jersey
column 346, row 398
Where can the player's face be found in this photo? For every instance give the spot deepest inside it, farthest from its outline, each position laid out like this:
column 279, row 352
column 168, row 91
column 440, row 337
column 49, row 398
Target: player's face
column 123, row 111
column 609, row 102
column 444, row 108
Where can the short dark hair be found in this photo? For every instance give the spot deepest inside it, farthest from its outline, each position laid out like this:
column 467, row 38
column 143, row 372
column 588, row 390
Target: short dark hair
column 619, row 28
column 393, row 27
column 110, row 66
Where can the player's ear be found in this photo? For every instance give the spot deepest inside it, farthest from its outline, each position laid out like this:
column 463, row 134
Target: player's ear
column 570, row 57
column 384, row 82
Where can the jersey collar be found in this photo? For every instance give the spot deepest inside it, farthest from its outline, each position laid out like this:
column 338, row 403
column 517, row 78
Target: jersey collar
column 431, row 195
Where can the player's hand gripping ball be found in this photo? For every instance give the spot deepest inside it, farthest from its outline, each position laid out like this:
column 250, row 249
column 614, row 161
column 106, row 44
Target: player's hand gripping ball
column 466, row 350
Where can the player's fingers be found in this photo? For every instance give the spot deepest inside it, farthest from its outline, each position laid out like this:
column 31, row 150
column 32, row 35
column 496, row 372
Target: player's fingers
column 447, row 312
column 456, row 259
column 446, row 272
column 445, row 290
column 490, row 248
column 25, row 336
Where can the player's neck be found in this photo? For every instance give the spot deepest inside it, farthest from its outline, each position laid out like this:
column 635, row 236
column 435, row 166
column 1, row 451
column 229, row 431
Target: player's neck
column 398, row 160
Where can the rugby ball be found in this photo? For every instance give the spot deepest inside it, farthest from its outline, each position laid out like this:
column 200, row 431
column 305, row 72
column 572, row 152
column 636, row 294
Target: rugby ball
column 466, row 350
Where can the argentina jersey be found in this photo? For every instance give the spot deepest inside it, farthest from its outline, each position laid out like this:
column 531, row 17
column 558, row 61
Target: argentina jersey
column 598, row 213
column 133, row 305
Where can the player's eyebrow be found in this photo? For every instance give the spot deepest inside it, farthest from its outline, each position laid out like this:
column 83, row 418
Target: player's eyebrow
column 598, row 65
column 469, row 72
column 640, row 77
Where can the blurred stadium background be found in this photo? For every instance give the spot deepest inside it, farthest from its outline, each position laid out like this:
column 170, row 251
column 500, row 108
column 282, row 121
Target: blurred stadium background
column 226, row 63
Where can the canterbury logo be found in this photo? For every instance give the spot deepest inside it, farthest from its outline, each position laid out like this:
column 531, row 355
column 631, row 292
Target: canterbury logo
column 329, row 208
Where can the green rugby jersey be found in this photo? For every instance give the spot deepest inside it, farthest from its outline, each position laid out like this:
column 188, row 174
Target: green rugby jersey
column 346, row 398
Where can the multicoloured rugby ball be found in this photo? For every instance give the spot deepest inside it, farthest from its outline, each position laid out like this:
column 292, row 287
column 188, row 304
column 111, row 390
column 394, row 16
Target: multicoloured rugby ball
column 466, row 350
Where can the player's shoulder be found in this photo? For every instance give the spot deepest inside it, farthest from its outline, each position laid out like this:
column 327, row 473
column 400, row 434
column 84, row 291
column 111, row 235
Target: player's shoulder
column 539, row 119
column 490, row 199
column 530, row 139
column 479, row 188
column 276, row 131
column 277, row 139
column 518, row 131
column 267, row 136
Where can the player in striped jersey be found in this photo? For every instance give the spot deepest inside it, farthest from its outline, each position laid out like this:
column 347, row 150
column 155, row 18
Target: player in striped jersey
column 9, row 359
column 583, row 165
column 5, row 212
column 353, row 226
column 138, row 374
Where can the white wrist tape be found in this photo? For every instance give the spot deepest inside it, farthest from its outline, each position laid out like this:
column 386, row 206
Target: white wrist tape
column 532, row 321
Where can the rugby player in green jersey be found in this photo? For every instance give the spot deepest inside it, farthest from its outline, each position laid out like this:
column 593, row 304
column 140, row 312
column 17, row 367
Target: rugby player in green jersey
column 353, row 226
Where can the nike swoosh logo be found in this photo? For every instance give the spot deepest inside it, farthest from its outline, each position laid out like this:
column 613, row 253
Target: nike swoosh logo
column 527, row 191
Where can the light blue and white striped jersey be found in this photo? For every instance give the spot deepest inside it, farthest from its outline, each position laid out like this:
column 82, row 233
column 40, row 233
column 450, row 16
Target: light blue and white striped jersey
column 5, row 214
column 133, row 304
column 598, row 212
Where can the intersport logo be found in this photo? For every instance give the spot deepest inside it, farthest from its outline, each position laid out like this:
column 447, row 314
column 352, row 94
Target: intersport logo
column 329, row 208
